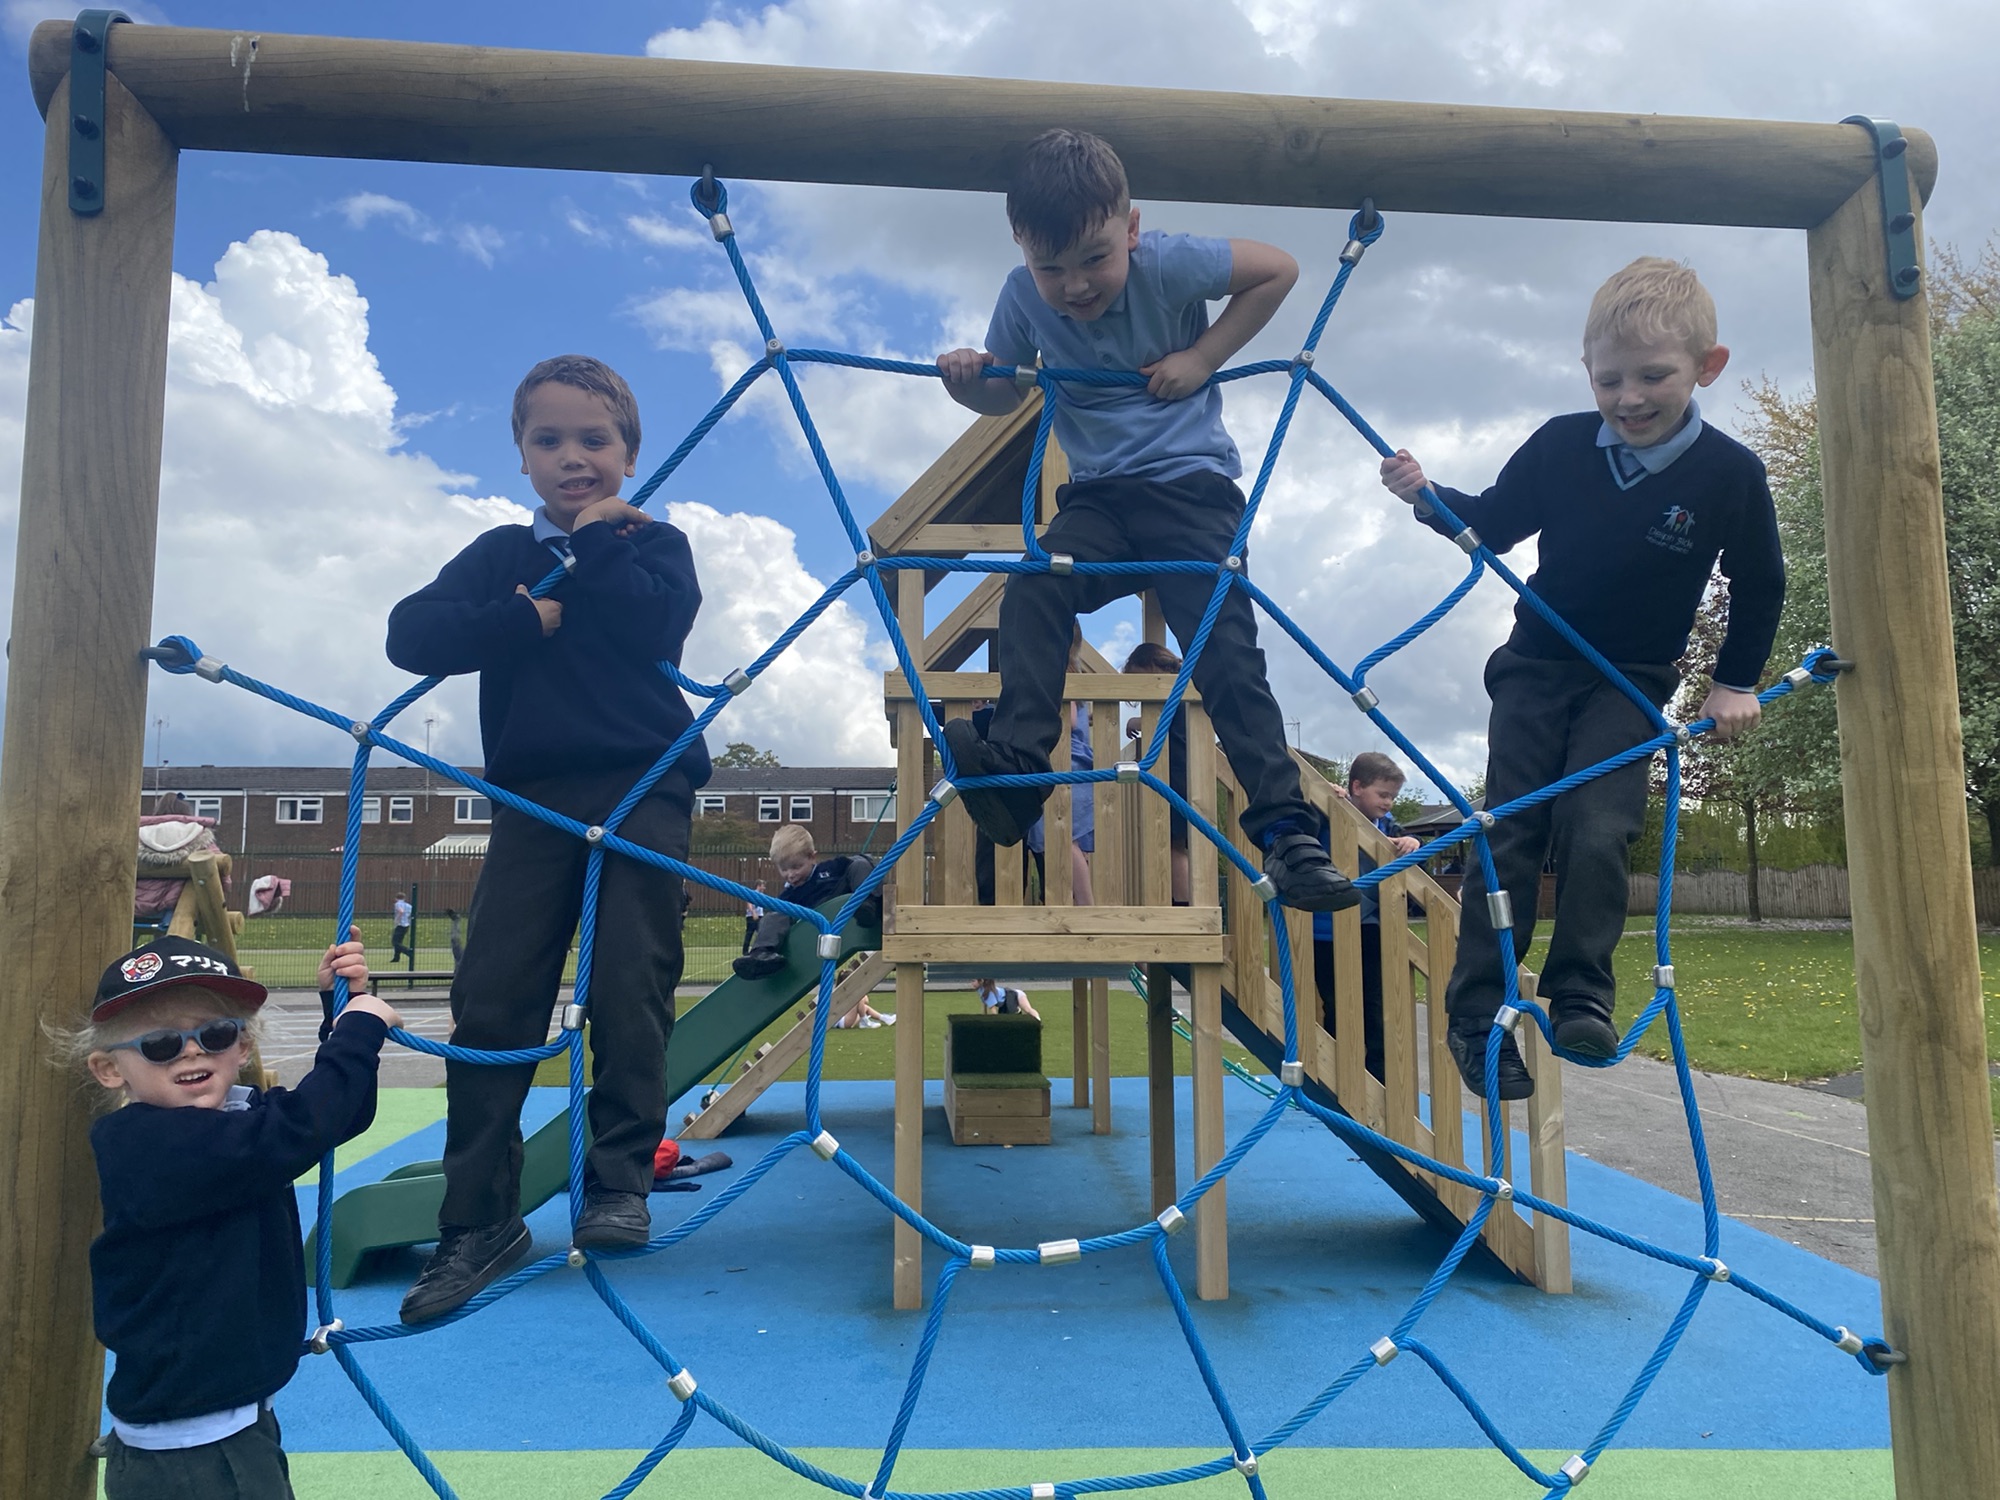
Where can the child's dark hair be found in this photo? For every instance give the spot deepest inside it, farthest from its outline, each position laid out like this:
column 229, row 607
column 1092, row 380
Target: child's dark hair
column 1068, row 182
column 585, row 374
column 1151, row 656
column 1372, row 767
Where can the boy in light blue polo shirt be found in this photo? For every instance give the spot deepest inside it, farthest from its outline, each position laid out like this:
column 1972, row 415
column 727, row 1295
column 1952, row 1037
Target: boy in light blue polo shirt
column 1153, row 475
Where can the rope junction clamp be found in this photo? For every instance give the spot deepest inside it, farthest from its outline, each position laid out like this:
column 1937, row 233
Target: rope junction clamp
column 1798, row 677
column 209, row 669
column 1663, row 976
column 1467, row 541
column 1574, row 1469
column 1484, row 818
column 1292, row 1074
column 594, row 834
column 1506, row 1017
column 773, row 348
column 1244, row 1464
column 1234, row 563
column 1384, row 1349
column 318, row 1342
column 572, row 1019
column 1365, row 699
column 1026, row 378
column 1303, row 359
column 681, row 1384
column 1682, row 733
column 1059, row 1252
column 824, row 1145
column 1848, row 1343
column 576, row 1259
column 1716, row 1271
column 1062, row 564
column 568, row 563
column 1500, row 909
column 942, row 793
column 1128, row 770
column 829, row 945
column 864, row 559
column 1351, row 253
column 360, row 731
column 982, row 1258
column 1041, row 1490
column 1265, row 887
column 1171, row 1219
column 1503, row 1190
column 738, row 682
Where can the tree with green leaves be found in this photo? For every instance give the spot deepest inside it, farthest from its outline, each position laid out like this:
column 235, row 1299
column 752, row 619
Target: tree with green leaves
column 742, row 755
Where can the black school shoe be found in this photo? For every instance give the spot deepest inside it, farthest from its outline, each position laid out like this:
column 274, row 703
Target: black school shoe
column 1003, row 814
column 612, row 1220
column 1582, row 1024
column 1468, row 1050
column 465, row 1263
column 1305, row 877
column 758, row 963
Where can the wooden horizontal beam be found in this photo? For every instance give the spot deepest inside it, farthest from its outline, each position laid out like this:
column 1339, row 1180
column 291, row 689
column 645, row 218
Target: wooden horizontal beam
column 424, row 101
column 1082, row 687
column 1043, row 921
column 940, row 538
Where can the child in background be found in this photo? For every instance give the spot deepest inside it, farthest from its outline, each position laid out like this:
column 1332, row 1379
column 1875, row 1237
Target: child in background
column 198, row 1281
column 1373, row 783
column 1153, row 658
column 808, row 881
column 997, row 999
column 1633, row 503
column 1154, row 475
column 573, row 710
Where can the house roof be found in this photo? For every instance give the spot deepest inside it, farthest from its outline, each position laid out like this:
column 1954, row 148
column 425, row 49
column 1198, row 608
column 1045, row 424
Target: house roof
column 741, row 781
column 332, row 781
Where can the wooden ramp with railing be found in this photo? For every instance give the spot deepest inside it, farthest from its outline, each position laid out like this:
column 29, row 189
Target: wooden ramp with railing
column 1219, row 945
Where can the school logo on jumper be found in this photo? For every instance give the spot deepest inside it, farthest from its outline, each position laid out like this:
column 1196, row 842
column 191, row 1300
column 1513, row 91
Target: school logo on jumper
column 139, row 968
column 1674, row 530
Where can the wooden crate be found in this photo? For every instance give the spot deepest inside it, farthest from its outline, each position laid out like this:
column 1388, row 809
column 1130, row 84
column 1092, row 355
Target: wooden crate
column 995, row 1093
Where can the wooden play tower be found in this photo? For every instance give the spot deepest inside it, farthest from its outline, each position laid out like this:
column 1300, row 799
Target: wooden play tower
column 121, row 108
column 1218, row 945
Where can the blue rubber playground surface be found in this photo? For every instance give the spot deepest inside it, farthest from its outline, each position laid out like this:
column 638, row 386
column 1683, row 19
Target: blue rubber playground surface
column 780, row 1308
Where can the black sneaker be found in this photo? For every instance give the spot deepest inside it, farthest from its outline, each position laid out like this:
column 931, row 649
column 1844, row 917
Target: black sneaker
column 758, row 963
column 1468, row 1050
column 1003, row 814
column 1582, row 1024
column 465, row 1263
column 1305, row 877
column 612, row 1220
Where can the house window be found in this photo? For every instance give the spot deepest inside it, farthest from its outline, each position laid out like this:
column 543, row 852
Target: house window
column 371, row 809
column 471, row 810
column 301, row 809
column 869, row 806
column 802, row 810
column 206, row 807
column 712, row 806
column 402, row 809
column 770, row 809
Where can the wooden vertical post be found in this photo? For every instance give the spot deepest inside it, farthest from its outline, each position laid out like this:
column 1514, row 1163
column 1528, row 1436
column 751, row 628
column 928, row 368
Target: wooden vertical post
column 1100, row 1056
column 907, row 1277
column 1212, row 1216
column 1916, row 957
column 76, row 720
column 1079, row 1032
column 1160, row 1083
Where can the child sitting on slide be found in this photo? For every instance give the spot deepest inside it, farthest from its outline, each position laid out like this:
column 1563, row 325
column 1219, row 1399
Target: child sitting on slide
column 809, row 881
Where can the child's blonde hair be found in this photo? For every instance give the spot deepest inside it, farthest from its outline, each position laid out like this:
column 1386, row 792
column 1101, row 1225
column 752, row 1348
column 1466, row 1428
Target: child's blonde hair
column 70, row 1047
column 793, row 838
column 1653, row 298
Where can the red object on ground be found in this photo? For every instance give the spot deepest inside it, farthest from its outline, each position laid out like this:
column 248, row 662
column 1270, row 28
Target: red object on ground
column 666, row 1158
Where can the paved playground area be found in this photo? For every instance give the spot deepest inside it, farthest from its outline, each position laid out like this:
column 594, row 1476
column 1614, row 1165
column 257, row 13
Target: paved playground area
column 780, row 1308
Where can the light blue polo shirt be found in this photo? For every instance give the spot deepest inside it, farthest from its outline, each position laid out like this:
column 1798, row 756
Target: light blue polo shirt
column 1122, row 431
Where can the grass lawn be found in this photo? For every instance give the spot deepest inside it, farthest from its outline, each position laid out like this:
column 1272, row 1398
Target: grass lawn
column 1771, row 1003
column 871, row 1054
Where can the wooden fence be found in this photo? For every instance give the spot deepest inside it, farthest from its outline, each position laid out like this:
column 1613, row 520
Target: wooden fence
column 1816, row 891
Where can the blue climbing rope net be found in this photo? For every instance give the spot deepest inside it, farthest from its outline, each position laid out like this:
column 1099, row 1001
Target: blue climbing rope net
column 180, row 655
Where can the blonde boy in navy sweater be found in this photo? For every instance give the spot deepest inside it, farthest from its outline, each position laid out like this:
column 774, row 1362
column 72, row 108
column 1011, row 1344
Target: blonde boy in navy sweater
column 1634, row 504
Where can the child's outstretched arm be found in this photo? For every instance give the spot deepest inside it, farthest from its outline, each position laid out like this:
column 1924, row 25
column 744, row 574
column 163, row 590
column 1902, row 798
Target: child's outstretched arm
column 1402, row 475
column 1261, row 276
column 964, row 383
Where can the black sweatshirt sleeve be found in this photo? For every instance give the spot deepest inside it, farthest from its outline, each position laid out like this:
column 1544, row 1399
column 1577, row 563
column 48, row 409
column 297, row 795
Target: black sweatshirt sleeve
column 1754, row 563
column 1510, row 511
column 171, row 1166
column 647, row 579
column 465, row 620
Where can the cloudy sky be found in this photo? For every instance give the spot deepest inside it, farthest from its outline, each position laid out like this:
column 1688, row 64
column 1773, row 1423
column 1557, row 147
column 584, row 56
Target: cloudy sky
column 346, row 335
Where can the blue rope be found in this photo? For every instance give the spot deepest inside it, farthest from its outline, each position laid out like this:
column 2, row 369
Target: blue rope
column 178, row 654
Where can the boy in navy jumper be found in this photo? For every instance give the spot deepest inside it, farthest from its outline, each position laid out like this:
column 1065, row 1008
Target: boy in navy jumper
column 1374, row 781
column 1153, row 479
column 1634, row 504
column 198, row 1281
column 573, row 709
column 808, row 881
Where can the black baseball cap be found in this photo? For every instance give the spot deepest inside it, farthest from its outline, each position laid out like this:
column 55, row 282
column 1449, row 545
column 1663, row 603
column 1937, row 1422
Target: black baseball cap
column 163, row 964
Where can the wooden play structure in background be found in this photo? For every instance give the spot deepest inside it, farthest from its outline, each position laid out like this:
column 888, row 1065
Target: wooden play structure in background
column 70, row 785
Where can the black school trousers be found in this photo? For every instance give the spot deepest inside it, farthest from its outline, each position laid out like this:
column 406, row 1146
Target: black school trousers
column 1551, row 719
column 524, row 914
column 246, row 1465
column 1189, row 519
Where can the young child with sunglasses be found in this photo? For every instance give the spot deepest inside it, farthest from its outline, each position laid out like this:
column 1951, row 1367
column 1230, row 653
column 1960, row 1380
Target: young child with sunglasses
column 198, row 1280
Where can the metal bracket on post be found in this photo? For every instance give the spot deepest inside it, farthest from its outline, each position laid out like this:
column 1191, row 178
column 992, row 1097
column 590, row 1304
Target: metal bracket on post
column 1899, row 218
column 86, row 109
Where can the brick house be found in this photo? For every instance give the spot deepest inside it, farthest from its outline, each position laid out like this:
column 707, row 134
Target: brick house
column 839, row 804
column 303, row 809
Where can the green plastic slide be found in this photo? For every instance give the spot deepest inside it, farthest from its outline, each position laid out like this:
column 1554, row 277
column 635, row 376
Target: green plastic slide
column 402, row 1208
